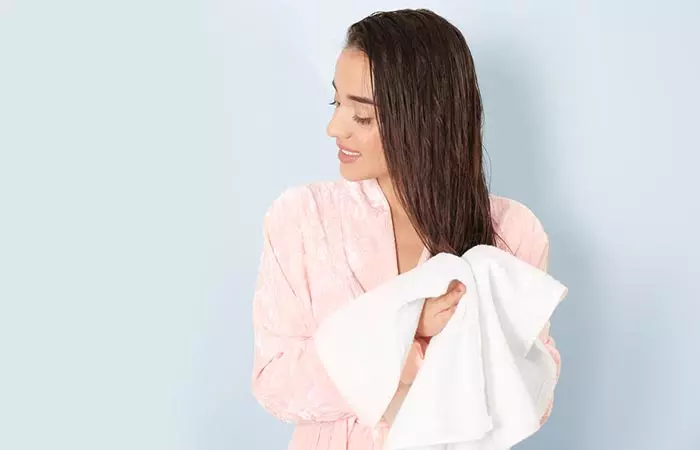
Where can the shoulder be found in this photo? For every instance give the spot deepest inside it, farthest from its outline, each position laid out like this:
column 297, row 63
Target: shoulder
column 297, row 202
column 519, row 230
column 306, row 206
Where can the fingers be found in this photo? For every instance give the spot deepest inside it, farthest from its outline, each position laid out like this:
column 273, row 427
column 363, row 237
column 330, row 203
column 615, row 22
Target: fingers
column 455, row 290
column 437, row 311
column 446, row 313
column 456, row 285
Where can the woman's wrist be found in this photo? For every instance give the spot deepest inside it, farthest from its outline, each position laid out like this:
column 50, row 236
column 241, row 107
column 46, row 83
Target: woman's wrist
column 413, row 361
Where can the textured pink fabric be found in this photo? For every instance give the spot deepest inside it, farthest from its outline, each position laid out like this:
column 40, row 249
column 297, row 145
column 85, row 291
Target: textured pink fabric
column 325, row 244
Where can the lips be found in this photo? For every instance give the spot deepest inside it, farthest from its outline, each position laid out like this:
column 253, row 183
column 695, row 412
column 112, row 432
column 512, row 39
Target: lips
column 348, row 151
column 346, row 157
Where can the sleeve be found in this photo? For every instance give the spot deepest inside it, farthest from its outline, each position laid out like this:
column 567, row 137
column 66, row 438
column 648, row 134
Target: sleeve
column 538, row 255
column 289, row 380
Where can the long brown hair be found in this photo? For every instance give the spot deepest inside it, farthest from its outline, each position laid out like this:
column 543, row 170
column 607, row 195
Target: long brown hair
column 429, row 112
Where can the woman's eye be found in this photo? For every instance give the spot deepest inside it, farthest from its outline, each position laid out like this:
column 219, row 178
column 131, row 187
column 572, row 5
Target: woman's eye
column 358, row 119
column 363, row 120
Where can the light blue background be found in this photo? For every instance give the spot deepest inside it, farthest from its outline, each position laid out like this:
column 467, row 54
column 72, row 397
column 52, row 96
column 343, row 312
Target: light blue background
column 142, row 141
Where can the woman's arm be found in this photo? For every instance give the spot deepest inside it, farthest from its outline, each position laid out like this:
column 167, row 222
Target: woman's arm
column 289, row 380
column 413, row 363
column 539, row 257
column 551, row 346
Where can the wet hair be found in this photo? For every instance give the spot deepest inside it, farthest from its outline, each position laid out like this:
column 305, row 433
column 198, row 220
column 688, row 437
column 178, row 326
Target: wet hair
column 430, row 116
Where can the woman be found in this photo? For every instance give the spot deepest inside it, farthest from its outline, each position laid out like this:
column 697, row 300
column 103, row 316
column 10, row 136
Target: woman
column 407, row 123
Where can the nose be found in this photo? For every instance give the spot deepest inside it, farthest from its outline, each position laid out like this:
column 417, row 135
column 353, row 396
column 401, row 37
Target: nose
column 336, row 128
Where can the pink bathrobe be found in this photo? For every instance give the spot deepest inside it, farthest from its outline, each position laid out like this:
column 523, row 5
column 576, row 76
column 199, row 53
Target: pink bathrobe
column 325, row 244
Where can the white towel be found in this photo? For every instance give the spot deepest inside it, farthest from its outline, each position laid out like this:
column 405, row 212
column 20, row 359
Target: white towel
column 486, row 379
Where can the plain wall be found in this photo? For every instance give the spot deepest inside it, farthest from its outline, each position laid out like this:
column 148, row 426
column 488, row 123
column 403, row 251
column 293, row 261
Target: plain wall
column 142, row 141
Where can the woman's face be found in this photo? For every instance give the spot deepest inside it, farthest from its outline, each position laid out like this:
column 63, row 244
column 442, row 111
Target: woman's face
column 354, row 124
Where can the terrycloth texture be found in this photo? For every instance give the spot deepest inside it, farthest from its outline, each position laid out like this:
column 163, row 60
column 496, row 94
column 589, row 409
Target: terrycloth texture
column 325, row 244
column 486, row 381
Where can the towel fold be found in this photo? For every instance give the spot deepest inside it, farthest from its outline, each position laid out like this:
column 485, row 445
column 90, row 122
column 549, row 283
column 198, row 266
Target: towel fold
column 486, row 380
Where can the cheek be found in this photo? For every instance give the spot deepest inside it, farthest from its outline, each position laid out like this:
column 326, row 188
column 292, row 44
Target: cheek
column 373, row 150
column 372, row 164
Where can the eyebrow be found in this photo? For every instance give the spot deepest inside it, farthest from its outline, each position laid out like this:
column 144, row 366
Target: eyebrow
column 356, row 98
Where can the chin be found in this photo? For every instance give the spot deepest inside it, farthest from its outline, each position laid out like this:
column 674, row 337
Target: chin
column 354, row 174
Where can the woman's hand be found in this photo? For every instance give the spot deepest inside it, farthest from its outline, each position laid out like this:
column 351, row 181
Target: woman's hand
column 437, row 311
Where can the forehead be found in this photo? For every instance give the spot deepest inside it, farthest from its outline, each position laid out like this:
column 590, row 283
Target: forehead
column 352, row 75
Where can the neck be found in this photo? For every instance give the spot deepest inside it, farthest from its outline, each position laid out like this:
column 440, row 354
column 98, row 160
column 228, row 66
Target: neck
column 397, row 211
